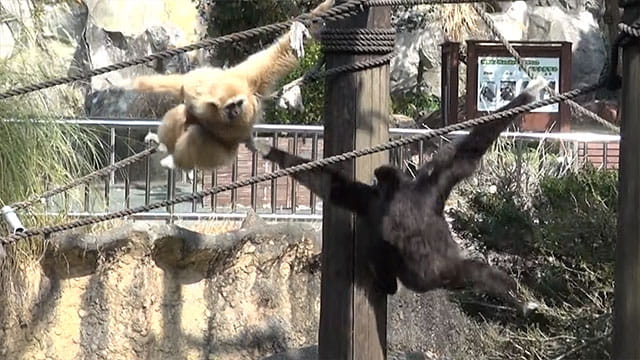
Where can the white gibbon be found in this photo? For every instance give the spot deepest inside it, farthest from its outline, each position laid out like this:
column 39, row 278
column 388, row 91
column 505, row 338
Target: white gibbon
column 220, row 106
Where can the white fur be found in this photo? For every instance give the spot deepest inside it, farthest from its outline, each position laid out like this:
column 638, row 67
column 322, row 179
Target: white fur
column 151, row 137
column 167, row 162
column 236, row 98
column 529, row 307
column 298, row 33
column 292, row 99
column 260, row 146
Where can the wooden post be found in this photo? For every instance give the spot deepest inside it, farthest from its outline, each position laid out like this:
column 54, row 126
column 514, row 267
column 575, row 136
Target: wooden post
column 627, row 273
column 352, row 313
column 611, row 20
column 449, row 83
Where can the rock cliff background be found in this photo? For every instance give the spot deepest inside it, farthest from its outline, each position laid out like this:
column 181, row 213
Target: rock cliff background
column 81, row 35
column 141, row 291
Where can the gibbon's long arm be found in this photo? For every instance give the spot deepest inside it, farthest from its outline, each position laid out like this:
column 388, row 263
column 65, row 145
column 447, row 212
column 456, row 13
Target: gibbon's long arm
column 171, row 84
column 266, row 67
column 327, row 183
column 459, row 159
column 174, row 83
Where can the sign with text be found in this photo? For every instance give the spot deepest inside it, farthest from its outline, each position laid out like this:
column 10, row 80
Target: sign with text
column 500, row 79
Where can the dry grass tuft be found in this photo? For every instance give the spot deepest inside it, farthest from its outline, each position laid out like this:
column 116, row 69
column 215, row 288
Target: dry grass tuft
column 461, row 22
column 36, row 149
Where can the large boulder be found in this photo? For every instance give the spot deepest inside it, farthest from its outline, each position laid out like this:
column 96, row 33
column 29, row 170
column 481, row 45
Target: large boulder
column 7, row 41
column 513, row 21
column 590, row 55
column 420, row 32
column 150, row 26
column 132, row 18
column 596, row 7
column 417, row 49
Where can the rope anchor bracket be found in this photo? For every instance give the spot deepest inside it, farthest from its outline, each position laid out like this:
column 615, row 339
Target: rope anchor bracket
column 13, row 221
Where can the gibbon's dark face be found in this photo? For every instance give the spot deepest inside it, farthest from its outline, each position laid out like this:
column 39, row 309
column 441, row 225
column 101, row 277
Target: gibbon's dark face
column 387, row 174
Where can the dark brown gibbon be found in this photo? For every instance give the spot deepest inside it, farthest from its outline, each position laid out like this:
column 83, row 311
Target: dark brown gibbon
column 412, row 241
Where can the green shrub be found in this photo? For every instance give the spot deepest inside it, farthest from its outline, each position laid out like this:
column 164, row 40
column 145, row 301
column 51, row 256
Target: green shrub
column 410, row 104
column 563, row 231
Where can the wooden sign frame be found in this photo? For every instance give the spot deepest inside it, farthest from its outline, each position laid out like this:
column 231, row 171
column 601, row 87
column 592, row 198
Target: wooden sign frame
column 533, row 121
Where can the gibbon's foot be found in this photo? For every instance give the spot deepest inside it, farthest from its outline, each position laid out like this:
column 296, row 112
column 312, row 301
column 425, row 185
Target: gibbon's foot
column 152, row 137
column 291, row 98
column 167, row 162
column 296, row 40
column 262, row 147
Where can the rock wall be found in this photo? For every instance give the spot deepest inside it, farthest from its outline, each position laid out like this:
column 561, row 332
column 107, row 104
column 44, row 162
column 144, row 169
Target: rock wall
column 421, row 31
column 144, row 291
column 165, row 292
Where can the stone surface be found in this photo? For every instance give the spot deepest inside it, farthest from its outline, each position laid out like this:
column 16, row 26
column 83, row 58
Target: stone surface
column 420, row 33
column 106, row 48
column 132, row 18
column 414, row 49
column 596, row 7
column 7, row 41
column 589, row 52
column 144, row 291
column 165, row 292
column 513, row 21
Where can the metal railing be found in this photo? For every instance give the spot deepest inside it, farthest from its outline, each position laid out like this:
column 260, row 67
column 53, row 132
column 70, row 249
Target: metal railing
column 280, row 199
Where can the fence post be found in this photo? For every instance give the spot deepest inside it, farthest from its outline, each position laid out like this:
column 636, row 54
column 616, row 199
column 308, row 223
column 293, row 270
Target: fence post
column 356, row 113
column 627, row 273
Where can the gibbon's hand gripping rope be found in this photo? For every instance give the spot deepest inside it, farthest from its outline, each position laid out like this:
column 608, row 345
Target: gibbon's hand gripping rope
column 302, row 167
column 572, row 104
column 338, row 12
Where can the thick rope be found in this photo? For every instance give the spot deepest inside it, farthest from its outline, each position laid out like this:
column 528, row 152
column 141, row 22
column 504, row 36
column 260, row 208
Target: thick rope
column 627, row 33
column 577, row 108
column 358, row 41
column 630, row 30
column 302, row 167
column 359, row 66
column 338, row 12
column 380, row 49
column 317, row 74
column 375, row 3
column 87, row 178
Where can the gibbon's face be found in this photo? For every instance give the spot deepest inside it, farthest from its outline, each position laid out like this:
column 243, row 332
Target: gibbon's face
column 386, row 174
column 388, row 179
column 223, row 101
